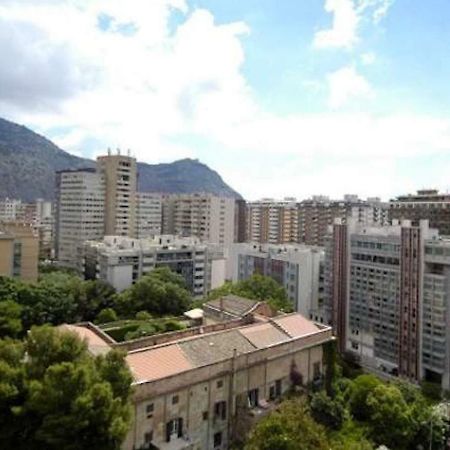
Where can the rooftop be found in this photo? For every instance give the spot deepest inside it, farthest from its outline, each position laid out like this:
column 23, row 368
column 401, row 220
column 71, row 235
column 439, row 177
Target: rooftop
column 233, row 304
column 189, row 352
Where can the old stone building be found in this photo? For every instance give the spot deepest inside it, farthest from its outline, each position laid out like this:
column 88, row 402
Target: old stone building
column 201, row 388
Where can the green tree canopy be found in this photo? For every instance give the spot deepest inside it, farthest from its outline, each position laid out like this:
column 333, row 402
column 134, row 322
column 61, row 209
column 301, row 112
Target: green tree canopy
column 257, row 287
column 161, row 292
column 290, row 427
column 59, row 396
column 10, row 318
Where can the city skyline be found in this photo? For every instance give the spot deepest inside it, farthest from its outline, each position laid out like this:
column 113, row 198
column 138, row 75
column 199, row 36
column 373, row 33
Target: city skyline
column 302, row 98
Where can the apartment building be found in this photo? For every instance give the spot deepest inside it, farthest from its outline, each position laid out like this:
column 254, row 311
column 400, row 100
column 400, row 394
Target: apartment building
column 426, row 204
column 272, row 221
column 79, row 215
column 19, row 251
column 120, row 178
column 298, row 268
column 148, row 214
column 120, row 261
column 206, row 216
column 204, row 387
column 240, row 221
column 317, row 214
column 387, row 295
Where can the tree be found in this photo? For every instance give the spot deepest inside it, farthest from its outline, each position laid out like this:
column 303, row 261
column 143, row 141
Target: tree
column 158, row 293
column 106, row 315
column 92, row 297
column 330, row 412
column 60, row 397
column 286, row 428
column 257, row 287
column 10, row 322
column 389, row 417
column 360, row 389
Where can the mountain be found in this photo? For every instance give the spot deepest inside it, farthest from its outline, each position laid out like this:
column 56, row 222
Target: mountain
column 28, row 162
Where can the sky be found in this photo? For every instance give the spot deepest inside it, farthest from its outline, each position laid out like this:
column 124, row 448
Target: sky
column 281, row 97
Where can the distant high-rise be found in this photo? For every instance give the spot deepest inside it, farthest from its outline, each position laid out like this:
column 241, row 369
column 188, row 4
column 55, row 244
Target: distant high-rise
column 80, row 213
column 206, row 216
column 288, row 221
column 272, row 221
column 148, row 214
column 120, row 177
column 428, row 205
column 317, row 214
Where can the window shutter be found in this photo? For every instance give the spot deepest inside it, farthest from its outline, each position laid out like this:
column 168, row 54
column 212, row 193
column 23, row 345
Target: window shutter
column 224, row 411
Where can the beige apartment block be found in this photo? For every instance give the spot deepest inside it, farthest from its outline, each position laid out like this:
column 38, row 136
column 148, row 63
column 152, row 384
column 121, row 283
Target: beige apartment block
column 206, row 216
column 120, row 174
column 19, row 251
column 272, row 221
column 204, row 387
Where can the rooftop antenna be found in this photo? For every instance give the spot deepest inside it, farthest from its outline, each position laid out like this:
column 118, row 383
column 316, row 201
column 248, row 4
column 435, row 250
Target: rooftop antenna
column 129, row 152
column 118, row 151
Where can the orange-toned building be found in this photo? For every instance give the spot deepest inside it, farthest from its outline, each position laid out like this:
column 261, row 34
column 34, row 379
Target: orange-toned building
column 203, row 387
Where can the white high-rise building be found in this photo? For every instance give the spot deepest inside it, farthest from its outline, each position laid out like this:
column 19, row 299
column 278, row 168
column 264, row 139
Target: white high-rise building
column 148, row 214
column 80, row 213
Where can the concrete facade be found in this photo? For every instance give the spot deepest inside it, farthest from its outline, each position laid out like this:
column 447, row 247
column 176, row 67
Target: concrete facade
column 206, row 216
column 148, row 214
column 80, row 213
column 388, row 298
column 19, row 251
column 426, row 204
column 121, row 261
column 298, row 268
column 120, row 175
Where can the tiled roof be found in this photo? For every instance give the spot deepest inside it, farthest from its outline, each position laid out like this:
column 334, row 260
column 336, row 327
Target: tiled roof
column 156, row 363
column 215, row 347
column 295, row 325
column 96, row 345
column 264, row 335
column 233, row 304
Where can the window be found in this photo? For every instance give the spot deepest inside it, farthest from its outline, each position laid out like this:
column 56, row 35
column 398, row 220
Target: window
column 149, row 410
column 316, row 370
column 219, row 384
column 148, row 437
column 217, row 440
column 220, row 410
column 275, row 390
column 174, row 429
column 253, row 398
column 175, row 399
column 205, row 415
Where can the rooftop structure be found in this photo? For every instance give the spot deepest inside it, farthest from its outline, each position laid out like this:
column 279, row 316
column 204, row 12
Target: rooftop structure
column 199, row 390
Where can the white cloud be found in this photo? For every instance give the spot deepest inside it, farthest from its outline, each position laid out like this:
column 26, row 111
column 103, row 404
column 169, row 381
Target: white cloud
column 133, row 89
column 348, row 15
column 146, row 88
column 345, row 85
column 368, row 58
column 343, row 32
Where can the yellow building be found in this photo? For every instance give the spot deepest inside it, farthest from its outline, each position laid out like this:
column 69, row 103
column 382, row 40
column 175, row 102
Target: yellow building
column 19, row 251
